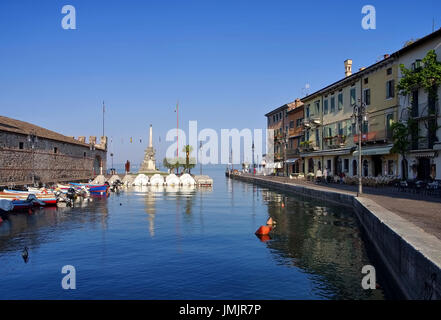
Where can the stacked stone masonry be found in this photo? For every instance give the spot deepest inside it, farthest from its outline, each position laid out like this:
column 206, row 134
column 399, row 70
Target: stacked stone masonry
column 49, row 160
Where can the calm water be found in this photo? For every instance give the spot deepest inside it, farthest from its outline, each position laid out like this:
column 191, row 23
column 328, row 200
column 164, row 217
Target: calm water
column 187, row 244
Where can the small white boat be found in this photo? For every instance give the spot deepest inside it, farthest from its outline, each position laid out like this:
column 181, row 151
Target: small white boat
column 172, row 180
column 187, row 180
column 156, row 180
column 128, row 180
column 141, row 180
column 114, row 178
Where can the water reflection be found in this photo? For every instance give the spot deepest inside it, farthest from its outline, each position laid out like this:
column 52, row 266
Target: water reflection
column 150, row 209
column 182, row 195
column 324, row 241
column 43, row 225
column 192, row 243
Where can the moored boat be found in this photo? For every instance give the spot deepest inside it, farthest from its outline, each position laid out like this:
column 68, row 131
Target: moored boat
column 47, row 199
column 22, row 202
column 93, row 188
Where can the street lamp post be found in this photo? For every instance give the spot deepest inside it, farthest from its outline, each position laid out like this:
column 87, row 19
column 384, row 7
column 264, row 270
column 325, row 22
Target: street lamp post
column 285, row 144
column 200, row 156
column 359, row 116
column 252, row 161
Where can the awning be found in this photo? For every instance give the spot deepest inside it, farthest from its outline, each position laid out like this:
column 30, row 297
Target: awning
column 373, row 151
column 332, row 152
column 423, row 154
column 292, row 160
column 277, row 165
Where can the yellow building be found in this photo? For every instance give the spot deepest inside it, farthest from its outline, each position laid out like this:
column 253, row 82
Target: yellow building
column 379, row 94
column 330, row 130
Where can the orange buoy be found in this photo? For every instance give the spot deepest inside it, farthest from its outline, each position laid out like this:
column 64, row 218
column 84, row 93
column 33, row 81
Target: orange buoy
column 263, row 230
column 263, row 238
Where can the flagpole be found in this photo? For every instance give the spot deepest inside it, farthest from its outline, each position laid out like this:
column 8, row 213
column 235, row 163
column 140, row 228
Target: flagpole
column 103, row 117
column 177, row 130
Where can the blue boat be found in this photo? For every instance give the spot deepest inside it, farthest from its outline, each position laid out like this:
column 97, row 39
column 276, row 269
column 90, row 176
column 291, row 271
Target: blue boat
column 93, row 188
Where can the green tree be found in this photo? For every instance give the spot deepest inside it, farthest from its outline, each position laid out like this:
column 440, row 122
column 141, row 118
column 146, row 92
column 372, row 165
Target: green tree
column 173, row 163
column 189, row 162
column 426, row 75
column 400, row 137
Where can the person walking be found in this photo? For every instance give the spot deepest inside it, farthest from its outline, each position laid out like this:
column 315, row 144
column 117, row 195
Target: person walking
column 325, row 174
column 318, row 176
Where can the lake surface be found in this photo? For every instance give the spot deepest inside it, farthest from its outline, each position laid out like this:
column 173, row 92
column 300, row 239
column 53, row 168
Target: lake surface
column 166, row 243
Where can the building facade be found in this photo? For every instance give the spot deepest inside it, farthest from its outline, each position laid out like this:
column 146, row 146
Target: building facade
column 295, row 114
column 423, row 160
column 330, row 138
column 277, row 120
column 331, row 133
column 32, row 154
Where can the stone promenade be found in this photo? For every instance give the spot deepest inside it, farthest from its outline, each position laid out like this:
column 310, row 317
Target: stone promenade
column 422, row 210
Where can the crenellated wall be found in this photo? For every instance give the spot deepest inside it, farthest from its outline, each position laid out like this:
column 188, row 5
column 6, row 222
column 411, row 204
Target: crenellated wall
column 50, row 160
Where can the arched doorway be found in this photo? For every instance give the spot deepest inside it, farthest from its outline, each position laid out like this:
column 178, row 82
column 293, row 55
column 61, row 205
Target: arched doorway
column 354, row 167
column 423, row 169
column 377, row 161
column 404, row 169
column 337, row 165
column 365, row 168
column 310, row 165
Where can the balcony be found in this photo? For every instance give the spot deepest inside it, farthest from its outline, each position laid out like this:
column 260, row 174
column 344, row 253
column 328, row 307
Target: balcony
column 423, row 111
column 292, row 153
column 335, row 142
column 278, row 156
column 366, row 137
column 278, row 136
column 307, row 146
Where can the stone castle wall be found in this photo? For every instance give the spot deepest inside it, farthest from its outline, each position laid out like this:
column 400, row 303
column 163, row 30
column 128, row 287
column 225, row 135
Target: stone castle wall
column 49, row 161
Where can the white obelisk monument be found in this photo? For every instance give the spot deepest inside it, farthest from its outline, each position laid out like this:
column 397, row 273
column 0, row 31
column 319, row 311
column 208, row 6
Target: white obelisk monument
column 148, row 164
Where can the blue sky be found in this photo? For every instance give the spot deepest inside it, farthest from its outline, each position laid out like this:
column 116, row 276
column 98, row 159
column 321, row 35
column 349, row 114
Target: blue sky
column 228, row 62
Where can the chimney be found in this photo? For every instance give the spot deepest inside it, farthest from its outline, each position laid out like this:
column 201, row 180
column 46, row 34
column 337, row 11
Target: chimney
column 82, row 139
column 348, row 67
column 386, row 56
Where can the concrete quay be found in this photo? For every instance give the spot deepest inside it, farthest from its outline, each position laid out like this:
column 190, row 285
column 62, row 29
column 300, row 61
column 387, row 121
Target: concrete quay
column 411, row 256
